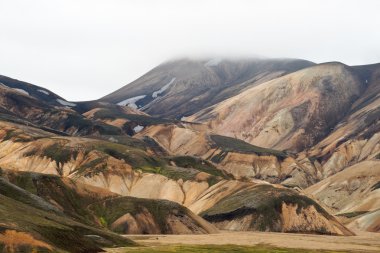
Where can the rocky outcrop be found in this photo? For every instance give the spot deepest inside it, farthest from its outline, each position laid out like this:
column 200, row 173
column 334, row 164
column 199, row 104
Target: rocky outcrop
column 99, row 207
column 30, row 223
column 355, row 189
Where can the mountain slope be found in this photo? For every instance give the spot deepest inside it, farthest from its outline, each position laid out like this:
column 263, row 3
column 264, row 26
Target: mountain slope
column 24, row 215
column 268, row 208
column 37, row 92
column 29, row 106
column 128, row 168
column 183, row 87
column 355, row 189
column 240, row 159
column 291, row 112
column 98, row 207
column 356, row 137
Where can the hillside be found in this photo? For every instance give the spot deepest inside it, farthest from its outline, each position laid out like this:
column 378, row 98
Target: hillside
column 182, row 87
column 353, row 194
column 272, row 145
column 291, row 112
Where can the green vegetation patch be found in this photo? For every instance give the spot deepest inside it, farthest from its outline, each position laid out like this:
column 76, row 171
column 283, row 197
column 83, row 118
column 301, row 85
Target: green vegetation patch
column 137, row 158
column 92, row 168
column 57, row 230
column 50, row 188
column 83, row 124
column 352, row 214
column 229, row 144
column 123, row 140
column 264, row 202
column 110, row 210
column 143, row 120
column 196, row 163
column 78, row 121
column 59, row 153
column 18, row 136
column 21, row 210
column 218, row 158
column 201, row 166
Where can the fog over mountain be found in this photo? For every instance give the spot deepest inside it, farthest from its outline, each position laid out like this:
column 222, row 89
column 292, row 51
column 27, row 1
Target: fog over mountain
column 85, row 49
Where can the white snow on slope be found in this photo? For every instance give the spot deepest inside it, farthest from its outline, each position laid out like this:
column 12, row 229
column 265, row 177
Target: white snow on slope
column 138, row 128
column 44, row 92
column 63, row 102
column 22, row 91
column 131, row 102
column 156, row 93
column 213, row 62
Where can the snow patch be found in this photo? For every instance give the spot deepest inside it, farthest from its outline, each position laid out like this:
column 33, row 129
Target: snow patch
column 63, row 102
column 131, row 102
column 213, row 62
column 21, row 91
column 138, row 128
column 156, row 93
column 44, row 92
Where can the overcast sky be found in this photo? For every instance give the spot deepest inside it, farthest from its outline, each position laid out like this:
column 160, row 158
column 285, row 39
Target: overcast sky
column 84, row 49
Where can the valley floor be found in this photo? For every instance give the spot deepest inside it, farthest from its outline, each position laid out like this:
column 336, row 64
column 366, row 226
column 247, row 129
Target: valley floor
column 254, row 242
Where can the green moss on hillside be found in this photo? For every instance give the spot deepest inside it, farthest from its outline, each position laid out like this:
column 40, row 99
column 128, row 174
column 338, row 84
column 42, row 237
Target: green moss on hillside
column 228, row 144
column 137, row 158
column 264, row 202
column 143, row 120
column 23, row 211
column 59, row 153
column 352, row 214
column 201, row 166
column 112, row 209
column 93, row 167
column 196, row 163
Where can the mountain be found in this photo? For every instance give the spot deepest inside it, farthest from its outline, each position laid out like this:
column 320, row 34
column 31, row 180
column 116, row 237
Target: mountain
column 241, row 160
column 269, row 208
column 85, row 214
column 291, row 112
column 34, row 91
column 183, row 87
column 32, row 105
column 29, row 104
column 355, row 138
column 277, row 145
column 133, row 168
column 353, row 194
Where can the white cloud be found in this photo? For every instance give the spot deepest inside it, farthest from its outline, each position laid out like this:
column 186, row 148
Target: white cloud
column 84, row 49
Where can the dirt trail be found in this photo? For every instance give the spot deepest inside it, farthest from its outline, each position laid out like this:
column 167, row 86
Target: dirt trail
column 363, row 242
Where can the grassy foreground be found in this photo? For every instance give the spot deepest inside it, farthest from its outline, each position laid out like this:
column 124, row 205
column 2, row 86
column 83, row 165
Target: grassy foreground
column 216, row 249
